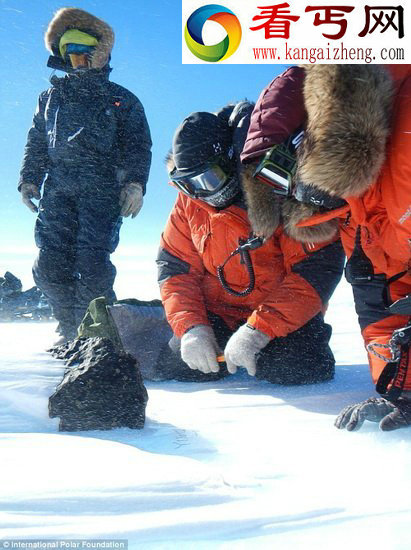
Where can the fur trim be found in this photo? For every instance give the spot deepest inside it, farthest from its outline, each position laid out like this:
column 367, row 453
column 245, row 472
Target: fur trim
column 294, row 212
column 263, row 206
column 74, row 18
column 348, row 109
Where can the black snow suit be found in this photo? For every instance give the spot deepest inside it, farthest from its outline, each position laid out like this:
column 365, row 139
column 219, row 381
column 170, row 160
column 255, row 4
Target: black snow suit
column 89, row 138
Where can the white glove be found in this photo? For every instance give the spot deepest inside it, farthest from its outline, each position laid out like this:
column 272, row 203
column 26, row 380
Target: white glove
column 30, row 191
column 131, row 199
column 199, row 349
column 242, row 348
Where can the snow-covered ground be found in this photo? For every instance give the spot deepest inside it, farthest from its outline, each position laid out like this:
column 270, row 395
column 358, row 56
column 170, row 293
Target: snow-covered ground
column 238, row 464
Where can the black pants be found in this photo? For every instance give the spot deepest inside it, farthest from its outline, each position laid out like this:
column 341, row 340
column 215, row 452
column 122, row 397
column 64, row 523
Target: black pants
column 76, row 231
column 302, row 357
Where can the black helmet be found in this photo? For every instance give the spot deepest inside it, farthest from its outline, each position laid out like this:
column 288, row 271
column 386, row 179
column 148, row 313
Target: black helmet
column 203, row 155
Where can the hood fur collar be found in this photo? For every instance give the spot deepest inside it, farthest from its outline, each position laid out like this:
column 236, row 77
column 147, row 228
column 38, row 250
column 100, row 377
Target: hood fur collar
column 263, row 206
column 348, row 108
column 74, row 18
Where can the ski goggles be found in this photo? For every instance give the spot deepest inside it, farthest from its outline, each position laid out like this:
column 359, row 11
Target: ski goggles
column 202, row 183
column 277, row 169
column 79, row 49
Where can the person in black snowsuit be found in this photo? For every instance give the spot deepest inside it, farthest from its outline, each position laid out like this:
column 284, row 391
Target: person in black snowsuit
column 90, row 146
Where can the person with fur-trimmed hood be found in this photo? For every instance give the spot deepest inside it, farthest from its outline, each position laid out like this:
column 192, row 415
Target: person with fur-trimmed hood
column 90, row 145
column 353, row 177
column 256, row 303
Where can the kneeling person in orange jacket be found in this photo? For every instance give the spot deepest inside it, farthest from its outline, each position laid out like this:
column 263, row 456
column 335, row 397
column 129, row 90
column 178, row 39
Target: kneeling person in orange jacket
column 259, row 301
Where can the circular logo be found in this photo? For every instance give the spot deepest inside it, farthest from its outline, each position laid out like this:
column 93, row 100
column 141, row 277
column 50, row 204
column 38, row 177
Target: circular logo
column 194, row 28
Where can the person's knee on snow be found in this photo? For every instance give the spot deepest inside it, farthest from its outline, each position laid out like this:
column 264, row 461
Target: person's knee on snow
column 301, row 357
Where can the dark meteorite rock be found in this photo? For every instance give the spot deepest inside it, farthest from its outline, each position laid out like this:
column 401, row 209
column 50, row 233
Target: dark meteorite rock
column 104, row 390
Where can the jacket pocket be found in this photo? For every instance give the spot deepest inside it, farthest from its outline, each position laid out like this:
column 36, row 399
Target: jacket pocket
column 101, row 135
column 200, row 236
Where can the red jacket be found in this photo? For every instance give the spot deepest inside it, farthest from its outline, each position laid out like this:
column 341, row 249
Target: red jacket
column 293, row 281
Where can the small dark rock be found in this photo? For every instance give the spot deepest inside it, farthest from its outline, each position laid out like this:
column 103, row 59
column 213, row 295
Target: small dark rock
column 104, row 390
column 17, row 305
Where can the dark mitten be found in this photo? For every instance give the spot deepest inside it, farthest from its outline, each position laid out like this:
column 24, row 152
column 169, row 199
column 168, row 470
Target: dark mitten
column 399, row 417
column 374, row 409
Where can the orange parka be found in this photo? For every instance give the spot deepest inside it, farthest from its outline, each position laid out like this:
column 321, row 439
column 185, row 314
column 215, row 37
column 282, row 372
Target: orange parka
column 293, row 281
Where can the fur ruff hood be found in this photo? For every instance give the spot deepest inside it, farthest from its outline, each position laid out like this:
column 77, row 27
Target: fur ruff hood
column 348, row 108
column 74, row 18
column 348, row 121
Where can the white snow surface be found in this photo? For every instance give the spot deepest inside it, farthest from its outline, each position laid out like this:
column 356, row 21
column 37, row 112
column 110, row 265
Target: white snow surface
column 236, row 464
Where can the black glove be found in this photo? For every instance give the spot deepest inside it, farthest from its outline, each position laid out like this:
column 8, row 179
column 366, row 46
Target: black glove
column 391, row 416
